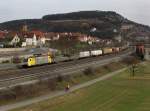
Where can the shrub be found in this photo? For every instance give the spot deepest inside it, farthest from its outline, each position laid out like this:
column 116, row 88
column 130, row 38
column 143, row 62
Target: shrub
column 130, row 60
column 52, row 83
column 89, row 71
column 18, row 90
column 6, row 61
column 59, row 78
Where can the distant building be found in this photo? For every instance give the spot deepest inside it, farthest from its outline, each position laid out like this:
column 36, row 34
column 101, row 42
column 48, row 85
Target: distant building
column 83, row 38
column 115, row 30
column 142, row 38
column 118, row 38
column 24, row 44
column 15, row 40
column 51, row 36
column 34, row 40
column 1, row 45
column 30, row 40
column 25, row 28
column 126, row 27
column 2, row 34
column 93, row 29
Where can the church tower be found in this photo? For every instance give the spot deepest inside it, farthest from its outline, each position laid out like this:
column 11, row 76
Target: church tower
column 25, row 28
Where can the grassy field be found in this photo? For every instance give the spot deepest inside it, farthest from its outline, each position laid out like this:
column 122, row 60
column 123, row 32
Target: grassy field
column 120, row 93
column 46, row 87
column 79, row 78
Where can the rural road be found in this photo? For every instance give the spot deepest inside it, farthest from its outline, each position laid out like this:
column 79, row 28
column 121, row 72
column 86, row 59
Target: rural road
column 59, row 93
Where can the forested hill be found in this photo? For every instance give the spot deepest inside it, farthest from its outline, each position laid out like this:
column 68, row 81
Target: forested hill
column 102, row 15
column 104, row 21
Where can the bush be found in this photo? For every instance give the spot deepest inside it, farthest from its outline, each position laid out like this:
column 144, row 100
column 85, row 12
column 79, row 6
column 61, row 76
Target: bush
column 131, row 60
column 107, row 67
column 6, row 61
column 7, row 95
column 52, row 84
column 59, row 78
column 16, row 60
column 18, row 91
column 89, row 71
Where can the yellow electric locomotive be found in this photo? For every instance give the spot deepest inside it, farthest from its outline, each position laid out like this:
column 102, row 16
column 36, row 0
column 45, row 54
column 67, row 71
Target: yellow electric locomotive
column 36, row 60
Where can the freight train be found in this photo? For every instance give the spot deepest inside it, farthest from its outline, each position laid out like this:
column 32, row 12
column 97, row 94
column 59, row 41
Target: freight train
column 40, row 59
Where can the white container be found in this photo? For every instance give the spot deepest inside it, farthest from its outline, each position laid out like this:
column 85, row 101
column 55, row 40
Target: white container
column 96, row 52
column 84, row 54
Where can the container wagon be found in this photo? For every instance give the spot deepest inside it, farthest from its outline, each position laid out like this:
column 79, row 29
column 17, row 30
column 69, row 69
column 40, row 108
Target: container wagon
column 96, row 52
column 116, row 49
column 84, row 54
column 107, row 51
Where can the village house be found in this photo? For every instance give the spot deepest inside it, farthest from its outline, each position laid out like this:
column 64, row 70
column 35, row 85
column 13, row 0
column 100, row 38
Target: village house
column 84, row 37
column 142, row 38
column 126, row 27
column 118, row 38
column 51, row 36
column 29, row 40
column 34, row 38
column 15, row 40
column 2, row 34
column 94, row 29
column 38, row 38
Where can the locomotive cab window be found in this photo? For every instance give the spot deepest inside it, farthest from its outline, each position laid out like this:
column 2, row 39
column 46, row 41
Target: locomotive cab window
column 25, row 60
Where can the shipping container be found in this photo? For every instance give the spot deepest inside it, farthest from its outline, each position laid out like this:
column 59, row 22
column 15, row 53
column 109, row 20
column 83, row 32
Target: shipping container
column 96, row 52
column 84, row 54
column 107, row 50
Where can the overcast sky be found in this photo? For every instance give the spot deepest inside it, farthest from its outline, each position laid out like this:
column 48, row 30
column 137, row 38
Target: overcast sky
column 137, row 10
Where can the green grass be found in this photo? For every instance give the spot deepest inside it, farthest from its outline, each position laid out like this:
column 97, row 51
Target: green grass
column 77, row 78
column 80, row 77
column 120, row 93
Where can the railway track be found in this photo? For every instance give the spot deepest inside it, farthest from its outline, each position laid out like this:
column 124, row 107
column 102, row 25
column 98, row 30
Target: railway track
column 29, row 71
column 27, row 76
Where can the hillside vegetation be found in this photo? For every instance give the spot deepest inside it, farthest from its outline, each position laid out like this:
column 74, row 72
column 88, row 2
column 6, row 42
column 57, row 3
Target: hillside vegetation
column 104, row 21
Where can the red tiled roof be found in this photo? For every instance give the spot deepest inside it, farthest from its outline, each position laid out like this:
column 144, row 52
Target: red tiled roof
column 38, row 33
column 2, row 34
